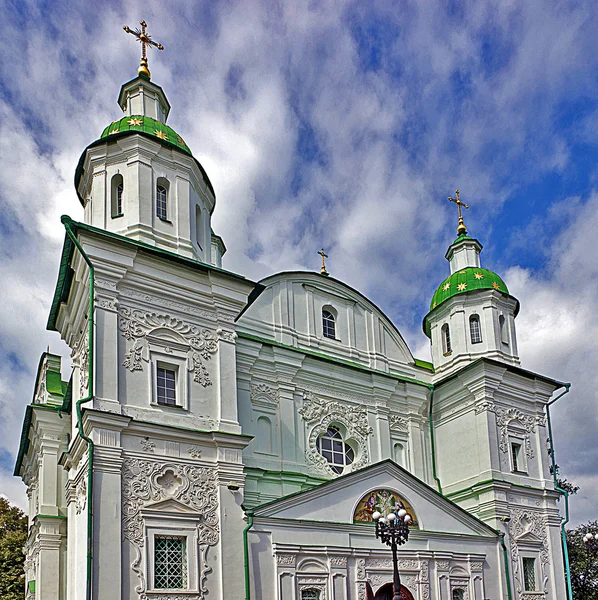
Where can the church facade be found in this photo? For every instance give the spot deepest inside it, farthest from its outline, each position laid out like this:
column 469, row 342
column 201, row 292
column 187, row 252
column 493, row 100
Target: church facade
column 224, row 438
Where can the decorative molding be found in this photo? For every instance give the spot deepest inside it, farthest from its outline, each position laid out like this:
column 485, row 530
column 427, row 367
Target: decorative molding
column 398, row 423
column 136, row 324
column 260, row 392
column 476, row 567
column 338, row 561
column 529, row 528
column 81, row 495
column 320, row 414
column 443, row 565
column 194, row 451
column 186, row 309
column 460, row 584
column 333, row 393
column 146, row 482
column 147, row 444
column 226, row 336
column 504, row 416
column 485, row 406
column 81, row 354
column 287, row 560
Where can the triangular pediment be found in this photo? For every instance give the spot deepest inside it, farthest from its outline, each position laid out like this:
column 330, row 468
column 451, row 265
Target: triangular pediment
column 169, row 505
column 529, row 537
column 337, row 501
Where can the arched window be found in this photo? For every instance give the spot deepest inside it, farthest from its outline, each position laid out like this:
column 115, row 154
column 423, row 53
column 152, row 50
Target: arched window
column 263, row 440
column 198, row 227
column 446, row 340
column 162, row 199
column 116, row 201
column 474, row 329
column 310, row 594
column 458, row 594
column 504, row 334
column 328, row 324
column 335, row 450
column 399, row 454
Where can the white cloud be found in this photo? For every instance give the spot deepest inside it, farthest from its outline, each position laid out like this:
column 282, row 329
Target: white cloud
column 246, row 82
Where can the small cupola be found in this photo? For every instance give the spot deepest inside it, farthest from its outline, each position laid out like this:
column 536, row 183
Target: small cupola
column 472, row 314
column 141, row 180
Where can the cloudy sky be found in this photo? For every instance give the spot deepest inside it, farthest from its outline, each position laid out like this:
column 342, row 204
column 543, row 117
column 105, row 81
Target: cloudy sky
column 336, row 124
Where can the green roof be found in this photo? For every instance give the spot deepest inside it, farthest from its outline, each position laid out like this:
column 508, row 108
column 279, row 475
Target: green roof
column 467, row 280
column 470, row 279
column 140, row 124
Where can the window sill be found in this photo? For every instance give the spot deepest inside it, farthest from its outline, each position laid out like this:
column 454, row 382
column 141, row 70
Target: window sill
column 164, row 220
column 332, row 339
column 118, row 216
column 175, row 406
column 519, row 472
column 447, row 353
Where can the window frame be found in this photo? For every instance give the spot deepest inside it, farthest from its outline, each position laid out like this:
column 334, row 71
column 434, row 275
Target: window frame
column 116, row 198
column 475, row 323
column 346, row 447
column 184, row 562
column 164, row 184
column 518, row 462
column 525, row 558
column 176, row 359
column 164, row 400
column 445, row 333
column 326, row 320
column 503, row 331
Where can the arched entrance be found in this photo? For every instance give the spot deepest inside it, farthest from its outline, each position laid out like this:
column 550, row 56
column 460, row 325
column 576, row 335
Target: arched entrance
column 385, row 593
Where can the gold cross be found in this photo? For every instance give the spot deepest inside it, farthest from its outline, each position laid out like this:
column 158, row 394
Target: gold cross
column 461, row 230
column 146, row 42
column 323, row 270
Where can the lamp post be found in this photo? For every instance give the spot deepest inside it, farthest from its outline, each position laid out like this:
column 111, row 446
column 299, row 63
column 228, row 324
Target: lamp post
column 393, row 530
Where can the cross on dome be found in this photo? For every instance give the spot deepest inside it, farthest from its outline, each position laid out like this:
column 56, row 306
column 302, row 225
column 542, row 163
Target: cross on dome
column 461, row 229
column 323, row 270
column 146, row 42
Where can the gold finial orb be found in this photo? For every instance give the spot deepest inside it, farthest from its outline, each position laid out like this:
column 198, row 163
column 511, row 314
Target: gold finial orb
column 461, row 229
column 146, row 42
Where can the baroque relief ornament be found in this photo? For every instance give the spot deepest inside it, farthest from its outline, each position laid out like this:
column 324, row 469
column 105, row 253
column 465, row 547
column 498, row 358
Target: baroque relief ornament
column 320, row 414
column 504, row 416
column 529, row 528
column 136, row 324
column 145, row 482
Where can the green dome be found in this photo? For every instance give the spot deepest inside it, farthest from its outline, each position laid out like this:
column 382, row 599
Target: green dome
column 466, row 280
column 147, row 126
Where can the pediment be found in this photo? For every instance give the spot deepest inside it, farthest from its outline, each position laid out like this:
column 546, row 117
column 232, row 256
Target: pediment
column 337, row 501
column 168, row 505
column 528, row 537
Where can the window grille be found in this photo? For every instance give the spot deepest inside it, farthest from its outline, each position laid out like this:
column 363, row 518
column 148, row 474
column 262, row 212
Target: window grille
column 328, row 325
column 529, row 574
column 161, row 195
column 335, row 450
column 474, row 329
column 310, row 594
column 458, row 594
column 170, row 563
column 166, row 386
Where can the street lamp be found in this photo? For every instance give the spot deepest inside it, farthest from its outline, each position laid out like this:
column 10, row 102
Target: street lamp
column 393, row 529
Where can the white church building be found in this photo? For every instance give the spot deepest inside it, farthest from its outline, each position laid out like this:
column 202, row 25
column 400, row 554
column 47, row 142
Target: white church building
column 221, row 438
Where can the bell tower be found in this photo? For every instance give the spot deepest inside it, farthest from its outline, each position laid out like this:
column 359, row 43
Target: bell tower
column 472, row 315
column 140, row 178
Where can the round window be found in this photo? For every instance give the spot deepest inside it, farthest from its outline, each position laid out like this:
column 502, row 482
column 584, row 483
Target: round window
column 335, row 449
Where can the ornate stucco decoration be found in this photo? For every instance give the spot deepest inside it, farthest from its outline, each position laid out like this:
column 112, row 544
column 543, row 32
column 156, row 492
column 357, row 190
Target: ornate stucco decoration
column 194, row 451
column 80, row 496
column 136, row 324
column 319, row 414
column 505, row 416
column 81, row 359
column 145, row 482
column 529, row 529
column 264, row 394
column 378, row 571
column 398, row 423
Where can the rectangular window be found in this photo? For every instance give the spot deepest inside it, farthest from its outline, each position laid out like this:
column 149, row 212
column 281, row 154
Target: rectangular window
column 170, row 562
column 529, row 574
column 166, row 386
column 516, row 457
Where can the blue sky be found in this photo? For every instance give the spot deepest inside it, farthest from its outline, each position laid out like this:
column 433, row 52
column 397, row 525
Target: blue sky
column 336, row 124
